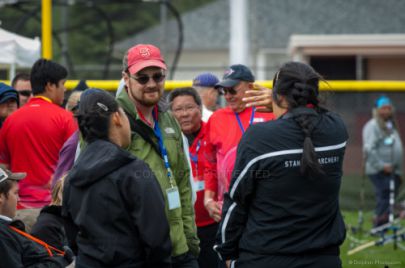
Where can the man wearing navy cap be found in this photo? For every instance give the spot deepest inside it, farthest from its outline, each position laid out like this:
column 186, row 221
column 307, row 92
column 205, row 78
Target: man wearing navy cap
column 224, row 131
column 205, row 85
column 383, row 154
column 8, row 101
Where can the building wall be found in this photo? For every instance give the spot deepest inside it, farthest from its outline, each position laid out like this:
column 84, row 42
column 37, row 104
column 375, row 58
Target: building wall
column 263, row 65
column 386, row 68
column 194, row 62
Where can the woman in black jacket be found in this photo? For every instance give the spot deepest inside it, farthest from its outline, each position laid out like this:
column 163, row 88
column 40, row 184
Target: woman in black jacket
column 282, row 209
column 50, row 225
column 111, row 196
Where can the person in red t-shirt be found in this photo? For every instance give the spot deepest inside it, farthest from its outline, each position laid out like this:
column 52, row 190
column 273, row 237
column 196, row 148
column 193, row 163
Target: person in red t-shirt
column 224, row 131
column 186, row 106
column 31, row 137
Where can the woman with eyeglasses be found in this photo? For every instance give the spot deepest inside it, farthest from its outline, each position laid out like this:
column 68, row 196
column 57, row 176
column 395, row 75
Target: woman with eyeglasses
column 282, row 208
column 111, row 196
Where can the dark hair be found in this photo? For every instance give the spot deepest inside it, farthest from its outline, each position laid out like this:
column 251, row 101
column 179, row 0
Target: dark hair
column 184, row 91
column 46, row 71
column 20, row 77
column 299, row 84
column 93, row 116
column 5, row 186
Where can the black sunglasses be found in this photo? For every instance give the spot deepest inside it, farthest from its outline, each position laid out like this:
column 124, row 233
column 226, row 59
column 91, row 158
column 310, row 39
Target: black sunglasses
column 25, row 92
column 224, row 90
column 144, row 79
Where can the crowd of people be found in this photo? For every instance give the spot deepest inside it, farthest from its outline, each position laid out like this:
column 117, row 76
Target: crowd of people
column 147, row 180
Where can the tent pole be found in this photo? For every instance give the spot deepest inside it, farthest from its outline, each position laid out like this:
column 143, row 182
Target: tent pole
column 12, row 71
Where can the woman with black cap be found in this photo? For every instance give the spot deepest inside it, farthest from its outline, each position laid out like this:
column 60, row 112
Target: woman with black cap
column 112, row 197
column 282, row 208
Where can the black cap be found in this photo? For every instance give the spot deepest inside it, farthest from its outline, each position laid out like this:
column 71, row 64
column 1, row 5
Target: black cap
column 234, row 75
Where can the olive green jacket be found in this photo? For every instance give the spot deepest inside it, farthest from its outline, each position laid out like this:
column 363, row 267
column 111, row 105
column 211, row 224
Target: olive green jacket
column 183, row 232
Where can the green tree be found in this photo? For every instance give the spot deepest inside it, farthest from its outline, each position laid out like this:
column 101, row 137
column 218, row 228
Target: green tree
column 91, row 26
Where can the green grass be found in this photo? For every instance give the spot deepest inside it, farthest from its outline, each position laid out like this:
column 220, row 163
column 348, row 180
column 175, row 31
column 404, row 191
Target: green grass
column 372, row 257
column 375, row 256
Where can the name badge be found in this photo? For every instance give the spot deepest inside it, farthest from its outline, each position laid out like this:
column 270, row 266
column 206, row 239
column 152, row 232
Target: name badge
column 389, row 140
column 173, row 198
column 199, row 185
column 258, row 120
column 169, row 130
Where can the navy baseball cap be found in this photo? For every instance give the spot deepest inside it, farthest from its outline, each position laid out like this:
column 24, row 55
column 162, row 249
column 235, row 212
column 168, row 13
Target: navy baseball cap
column 205, row 80
column 234, row 75
column 7, row 93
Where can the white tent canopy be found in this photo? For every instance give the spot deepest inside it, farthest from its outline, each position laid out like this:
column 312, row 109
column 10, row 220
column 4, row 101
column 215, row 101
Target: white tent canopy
column 18, row 51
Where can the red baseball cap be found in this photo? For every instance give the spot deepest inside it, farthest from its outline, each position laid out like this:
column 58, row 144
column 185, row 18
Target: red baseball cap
column 142, row 56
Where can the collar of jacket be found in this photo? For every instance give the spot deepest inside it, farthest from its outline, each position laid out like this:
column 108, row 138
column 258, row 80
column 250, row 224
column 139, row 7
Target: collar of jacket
column 299, row 111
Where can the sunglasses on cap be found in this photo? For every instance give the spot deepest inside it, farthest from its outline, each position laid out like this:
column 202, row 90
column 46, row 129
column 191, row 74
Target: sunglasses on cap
column 224, row 90
column 25, row 92
column 144, row 79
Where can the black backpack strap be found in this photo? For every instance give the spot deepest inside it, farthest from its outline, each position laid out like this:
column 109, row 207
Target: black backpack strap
column 143, row 132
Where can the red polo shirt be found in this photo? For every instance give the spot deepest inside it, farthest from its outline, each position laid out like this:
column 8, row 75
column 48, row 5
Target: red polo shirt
column 197, row 158
column 224, row 132
column 30, row 140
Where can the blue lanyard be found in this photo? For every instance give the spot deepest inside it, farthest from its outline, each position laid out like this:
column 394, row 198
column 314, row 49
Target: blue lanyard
column 194, row 157
column 250, row 122
column 163, row 151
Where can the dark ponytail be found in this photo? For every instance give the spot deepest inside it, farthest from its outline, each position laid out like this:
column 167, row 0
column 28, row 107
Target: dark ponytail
column 95, row 109
column 299, row 84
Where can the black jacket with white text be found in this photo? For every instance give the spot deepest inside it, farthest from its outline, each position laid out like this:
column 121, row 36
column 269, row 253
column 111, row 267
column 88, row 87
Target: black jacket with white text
column 271, row 208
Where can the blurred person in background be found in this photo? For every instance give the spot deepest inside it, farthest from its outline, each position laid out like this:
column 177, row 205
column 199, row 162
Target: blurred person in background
column 383, row 154
column 32, row 136
column 187, row 107
column 74, row 95
column 205, row 85
column 73, row 100
column 224, row 131
column 21, row 82
column 50, row 225
column 9, row 101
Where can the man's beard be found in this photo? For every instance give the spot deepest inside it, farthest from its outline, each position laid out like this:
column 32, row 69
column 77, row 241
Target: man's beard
column 148, row 102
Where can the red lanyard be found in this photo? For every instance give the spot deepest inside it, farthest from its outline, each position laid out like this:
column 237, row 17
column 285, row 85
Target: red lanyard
column 48, row 248
column 155, row 110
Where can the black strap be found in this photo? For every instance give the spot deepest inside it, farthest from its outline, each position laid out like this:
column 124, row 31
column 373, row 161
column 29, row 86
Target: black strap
column 143, row 132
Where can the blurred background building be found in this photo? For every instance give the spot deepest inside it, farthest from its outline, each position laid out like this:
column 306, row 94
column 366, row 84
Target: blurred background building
column 362, row 39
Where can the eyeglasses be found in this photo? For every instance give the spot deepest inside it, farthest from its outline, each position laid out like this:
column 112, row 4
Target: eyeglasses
column 230, row 90
column 186, row 109
column 25, row 92
column 144, row 79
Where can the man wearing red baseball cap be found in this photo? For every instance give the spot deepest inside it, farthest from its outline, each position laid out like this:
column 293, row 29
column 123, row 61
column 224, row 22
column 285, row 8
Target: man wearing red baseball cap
column 158, row 141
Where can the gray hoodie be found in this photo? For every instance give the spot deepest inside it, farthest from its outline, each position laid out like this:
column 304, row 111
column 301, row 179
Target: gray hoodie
column 381, row 145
